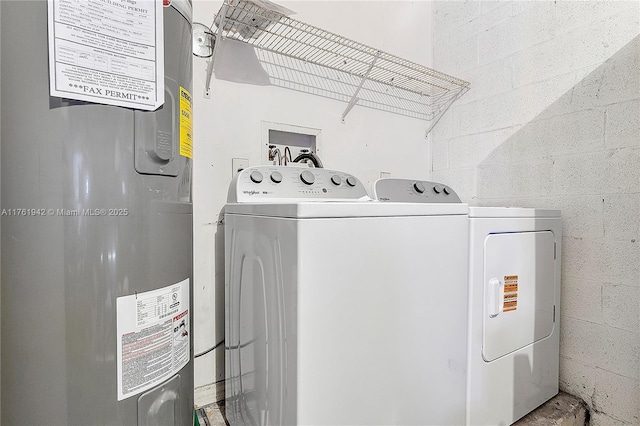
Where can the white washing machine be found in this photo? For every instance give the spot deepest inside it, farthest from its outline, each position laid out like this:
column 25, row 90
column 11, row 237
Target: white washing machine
column 339, row 309
column 514, row 302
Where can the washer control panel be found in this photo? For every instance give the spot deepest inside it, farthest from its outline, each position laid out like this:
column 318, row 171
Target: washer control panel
column 268, row 183
column 413, row 191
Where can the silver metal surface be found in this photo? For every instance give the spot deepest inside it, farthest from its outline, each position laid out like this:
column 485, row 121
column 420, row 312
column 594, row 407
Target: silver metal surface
column 62, row 273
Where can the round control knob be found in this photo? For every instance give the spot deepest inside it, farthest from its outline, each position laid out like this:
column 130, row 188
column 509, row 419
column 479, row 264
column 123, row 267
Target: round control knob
column 419, row 187
column 336, row 180
column 437, row 189
column 447, row 190
column 351, row 181
column 307, row 177
column 256, row 176
column 276, row 177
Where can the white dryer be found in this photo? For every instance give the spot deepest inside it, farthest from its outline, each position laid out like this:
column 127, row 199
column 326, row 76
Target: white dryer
column 514, row 301
column 339, row 309
column 514, row 295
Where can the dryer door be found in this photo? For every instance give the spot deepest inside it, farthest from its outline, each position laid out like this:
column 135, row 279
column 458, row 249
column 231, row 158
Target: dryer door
column 519, row 291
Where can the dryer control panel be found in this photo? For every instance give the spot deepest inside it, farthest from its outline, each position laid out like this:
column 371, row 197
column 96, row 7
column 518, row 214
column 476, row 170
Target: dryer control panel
column 271, row 183
column 413, row 191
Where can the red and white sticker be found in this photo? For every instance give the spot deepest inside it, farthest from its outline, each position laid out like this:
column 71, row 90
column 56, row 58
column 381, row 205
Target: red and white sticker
column 153, row 337
column 510, row 302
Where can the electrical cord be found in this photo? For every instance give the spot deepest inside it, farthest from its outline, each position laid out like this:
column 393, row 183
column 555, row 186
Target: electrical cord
column 210, row 349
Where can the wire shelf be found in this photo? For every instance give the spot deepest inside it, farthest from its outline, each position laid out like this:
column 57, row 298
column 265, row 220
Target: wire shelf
column 361, row 74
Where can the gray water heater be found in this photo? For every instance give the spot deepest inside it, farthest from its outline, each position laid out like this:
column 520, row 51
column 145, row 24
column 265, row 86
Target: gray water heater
column 97, row 283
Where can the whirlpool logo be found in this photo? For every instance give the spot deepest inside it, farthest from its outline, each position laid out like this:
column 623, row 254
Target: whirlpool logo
column 251, row 192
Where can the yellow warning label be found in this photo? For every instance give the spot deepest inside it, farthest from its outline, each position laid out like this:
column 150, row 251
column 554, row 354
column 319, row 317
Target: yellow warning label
column 510, row 302
column 186, row 123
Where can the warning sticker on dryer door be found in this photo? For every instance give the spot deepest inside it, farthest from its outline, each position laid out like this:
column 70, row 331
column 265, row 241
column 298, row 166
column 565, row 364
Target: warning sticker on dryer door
column 510, row 302
column 153, row 337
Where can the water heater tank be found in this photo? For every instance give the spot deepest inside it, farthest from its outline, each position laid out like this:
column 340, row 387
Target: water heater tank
column 97, row 284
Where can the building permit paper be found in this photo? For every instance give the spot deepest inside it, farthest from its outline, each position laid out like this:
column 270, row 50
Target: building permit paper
column 153, row 337
column 107, row 51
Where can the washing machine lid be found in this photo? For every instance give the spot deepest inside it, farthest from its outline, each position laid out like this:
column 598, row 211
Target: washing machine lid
column 343, row 209
column 502, row 212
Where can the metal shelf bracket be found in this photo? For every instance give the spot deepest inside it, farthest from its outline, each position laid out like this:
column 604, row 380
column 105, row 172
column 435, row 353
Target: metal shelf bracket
column 442, row 110
column 354, row 99
column 216, row 38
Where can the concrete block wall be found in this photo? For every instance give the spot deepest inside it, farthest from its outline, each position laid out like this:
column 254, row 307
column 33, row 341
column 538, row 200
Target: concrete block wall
column 553, row 121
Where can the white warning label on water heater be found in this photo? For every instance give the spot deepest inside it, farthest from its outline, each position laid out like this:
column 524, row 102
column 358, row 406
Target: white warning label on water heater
column 153, row 337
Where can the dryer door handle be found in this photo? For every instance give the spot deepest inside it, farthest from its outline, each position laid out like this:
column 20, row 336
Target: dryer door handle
column 496, row 296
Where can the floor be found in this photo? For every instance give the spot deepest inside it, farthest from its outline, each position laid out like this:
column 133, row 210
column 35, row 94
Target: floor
column 212, row 415
column 563, row 410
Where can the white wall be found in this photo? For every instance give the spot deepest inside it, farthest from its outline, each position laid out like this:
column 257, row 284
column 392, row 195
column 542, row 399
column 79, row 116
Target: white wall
column 553, row 120
column 229, row 125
